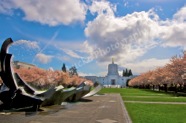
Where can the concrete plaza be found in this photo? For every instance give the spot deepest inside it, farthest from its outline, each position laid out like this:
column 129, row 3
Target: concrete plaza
column 108, row 108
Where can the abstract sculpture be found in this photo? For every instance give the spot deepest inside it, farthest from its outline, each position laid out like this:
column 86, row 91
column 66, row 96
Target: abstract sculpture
column 13, row 96
column 16, row 94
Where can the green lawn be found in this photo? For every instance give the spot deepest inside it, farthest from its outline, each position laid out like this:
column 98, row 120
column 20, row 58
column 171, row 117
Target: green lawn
column 132, row 92
column 155, row 99
column 151, row 113
column 156, row 113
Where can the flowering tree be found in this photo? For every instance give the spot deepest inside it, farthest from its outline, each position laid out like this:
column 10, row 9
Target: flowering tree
column 168, row 76
column 46, row 78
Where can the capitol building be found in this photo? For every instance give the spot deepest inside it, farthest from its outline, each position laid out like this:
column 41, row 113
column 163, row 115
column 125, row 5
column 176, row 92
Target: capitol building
column 112, row 79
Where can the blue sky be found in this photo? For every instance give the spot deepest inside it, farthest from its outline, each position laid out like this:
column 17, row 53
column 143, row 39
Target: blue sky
column 140, row 35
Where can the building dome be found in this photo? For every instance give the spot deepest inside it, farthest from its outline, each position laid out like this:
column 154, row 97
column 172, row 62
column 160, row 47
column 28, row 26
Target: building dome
column 113, row 79
column 112, row 69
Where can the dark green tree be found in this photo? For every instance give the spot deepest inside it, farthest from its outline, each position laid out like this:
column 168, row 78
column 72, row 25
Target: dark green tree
column 126, row 72
column 130, row 73
column 73, row 71
column 64, row 68
column 123, row 73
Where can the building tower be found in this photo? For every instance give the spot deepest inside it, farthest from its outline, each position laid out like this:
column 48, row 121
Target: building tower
column 112, row 69
column 112, row 75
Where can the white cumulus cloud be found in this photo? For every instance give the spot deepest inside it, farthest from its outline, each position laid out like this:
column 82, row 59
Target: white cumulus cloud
column 102, row 7
column 181, row 14
column 6, row 7
column 128, row 37
column 43, row 58
column 173, row 31
column 125, row 38
column 146, row 65
column 49, row 12
column 27, row 44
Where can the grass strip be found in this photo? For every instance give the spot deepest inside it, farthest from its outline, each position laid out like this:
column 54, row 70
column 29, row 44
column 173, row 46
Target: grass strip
column 156, row 113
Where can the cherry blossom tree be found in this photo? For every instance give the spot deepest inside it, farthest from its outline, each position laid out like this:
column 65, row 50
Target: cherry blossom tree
column 41, row 78
column 169, row 76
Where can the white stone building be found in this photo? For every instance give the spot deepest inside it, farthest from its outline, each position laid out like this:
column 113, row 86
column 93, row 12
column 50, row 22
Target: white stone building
column 112, row 79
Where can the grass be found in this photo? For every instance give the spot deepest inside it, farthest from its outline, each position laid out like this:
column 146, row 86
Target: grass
column 132, row 92
column 144, row 95
column 155, row 99
column 151, row 113
column 156, row 113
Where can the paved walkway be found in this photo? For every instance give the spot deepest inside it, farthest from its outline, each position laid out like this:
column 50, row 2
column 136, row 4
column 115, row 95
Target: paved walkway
column 108, row 108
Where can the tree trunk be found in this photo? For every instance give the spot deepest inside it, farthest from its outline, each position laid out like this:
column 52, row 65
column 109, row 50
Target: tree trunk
column 165, row 87
column 153, row 87
column 159, row 87
column 181, row 88
column 176, row 89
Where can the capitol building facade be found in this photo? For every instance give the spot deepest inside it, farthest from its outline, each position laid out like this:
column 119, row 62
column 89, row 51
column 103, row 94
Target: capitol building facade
column 112, row 79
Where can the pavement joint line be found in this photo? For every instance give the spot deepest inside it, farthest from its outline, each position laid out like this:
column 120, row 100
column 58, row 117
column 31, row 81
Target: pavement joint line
column 106, row 121
column 125, row 112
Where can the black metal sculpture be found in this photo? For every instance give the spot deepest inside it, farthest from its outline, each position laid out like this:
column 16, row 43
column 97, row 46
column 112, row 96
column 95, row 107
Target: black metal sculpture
column 81, row 90
column 15, row 93
column 13, row 96
column 94, row 91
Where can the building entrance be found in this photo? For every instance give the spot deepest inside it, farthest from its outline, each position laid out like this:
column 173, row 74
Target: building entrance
column 113, row 82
